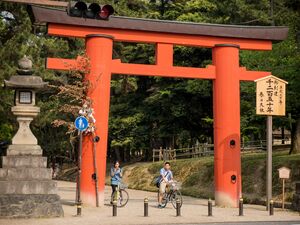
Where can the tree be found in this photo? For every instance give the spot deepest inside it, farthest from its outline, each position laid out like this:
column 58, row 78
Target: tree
column 18, row 38
column 149, row 112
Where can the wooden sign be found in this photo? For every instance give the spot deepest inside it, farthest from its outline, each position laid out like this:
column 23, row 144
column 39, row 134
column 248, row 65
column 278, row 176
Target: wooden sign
column 284, row 173
column 270, row 96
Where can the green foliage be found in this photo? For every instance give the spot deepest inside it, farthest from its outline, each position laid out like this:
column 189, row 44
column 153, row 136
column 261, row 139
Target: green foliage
column 149, row 112
column 6, row 131
column 18, row 38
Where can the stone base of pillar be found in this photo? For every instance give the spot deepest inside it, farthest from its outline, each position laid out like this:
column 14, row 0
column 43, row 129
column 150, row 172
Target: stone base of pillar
column 30, row 205
column 26, row 186
column 24, row 150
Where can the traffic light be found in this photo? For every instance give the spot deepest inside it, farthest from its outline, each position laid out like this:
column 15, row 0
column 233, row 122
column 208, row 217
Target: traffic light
column 91, row 10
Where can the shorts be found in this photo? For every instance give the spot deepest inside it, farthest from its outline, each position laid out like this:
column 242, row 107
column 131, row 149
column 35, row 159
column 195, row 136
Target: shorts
column 162, row 187
column 114, row 187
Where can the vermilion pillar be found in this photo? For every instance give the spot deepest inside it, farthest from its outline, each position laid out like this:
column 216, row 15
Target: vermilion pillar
column 227, row 168
column 99, row 50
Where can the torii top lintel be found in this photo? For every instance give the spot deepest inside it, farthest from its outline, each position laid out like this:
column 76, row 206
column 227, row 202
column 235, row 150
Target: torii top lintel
column 186, row 33
column 165, row 34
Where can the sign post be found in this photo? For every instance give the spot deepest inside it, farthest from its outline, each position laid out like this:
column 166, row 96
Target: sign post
column 269, row 159
column 270, row 101
column 284, row 173
column 81, row 124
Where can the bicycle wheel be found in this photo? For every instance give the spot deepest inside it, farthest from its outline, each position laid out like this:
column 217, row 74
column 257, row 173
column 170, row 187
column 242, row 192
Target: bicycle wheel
column 113, row 197
column 176, row 195
column 123, row 198
column 164, row 201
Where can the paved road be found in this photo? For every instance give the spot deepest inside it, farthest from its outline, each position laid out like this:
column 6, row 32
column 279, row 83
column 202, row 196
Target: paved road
column 247, row 223
column 194, row 211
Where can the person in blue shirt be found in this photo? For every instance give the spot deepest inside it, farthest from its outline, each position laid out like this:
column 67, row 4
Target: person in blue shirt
column 116, row 176
column 166, row 177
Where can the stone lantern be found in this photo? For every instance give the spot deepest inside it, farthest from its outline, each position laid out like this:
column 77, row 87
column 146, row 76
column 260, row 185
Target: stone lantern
column 25, row 86
column 26, row 185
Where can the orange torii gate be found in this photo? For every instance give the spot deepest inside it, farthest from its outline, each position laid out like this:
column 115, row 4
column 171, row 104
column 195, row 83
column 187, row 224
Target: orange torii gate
column 225, row 41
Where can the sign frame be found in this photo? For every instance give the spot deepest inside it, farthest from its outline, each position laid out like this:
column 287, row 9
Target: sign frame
column 81, row 123
column 270, row 96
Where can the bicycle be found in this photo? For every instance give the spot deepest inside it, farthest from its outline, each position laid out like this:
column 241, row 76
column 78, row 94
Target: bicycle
column 121, row 196
column 171, row 194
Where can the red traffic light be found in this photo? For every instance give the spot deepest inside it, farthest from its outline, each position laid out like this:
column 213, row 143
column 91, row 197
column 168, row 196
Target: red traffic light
column 106, row 11
column 91, row 11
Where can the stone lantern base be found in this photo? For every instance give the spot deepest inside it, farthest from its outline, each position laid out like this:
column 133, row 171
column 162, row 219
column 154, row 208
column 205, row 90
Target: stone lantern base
column 26, row 187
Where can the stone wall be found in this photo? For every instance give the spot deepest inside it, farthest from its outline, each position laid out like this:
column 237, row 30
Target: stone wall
column 27, row 189
column 31, row 205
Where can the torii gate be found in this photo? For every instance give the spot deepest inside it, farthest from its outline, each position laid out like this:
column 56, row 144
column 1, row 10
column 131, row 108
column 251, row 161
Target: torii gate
column 225, row 41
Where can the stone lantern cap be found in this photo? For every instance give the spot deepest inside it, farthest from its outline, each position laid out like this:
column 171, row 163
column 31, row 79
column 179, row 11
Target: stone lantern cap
column 28, row 82
column 25, row 79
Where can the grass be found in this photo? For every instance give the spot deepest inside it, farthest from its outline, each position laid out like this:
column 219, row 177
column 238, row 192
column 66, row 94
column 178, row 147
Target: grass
column 197, row 175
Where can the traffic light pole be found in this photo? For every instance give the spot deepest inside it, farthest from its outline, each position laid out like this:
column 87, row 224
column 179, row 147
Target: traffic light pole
column 78, row 196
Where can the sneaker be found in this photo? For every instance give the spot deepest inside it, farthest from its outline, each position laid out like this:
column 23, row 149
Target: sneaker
column 159, row 206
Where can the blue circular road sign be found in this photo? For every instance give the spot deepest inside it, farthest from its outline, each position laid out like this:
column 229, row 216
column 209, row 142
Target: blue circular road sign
column 81, row 123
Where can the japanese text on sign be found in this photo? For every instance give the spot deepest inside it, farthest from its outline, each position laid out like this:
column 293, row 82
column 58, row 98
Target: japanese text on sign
column 270, row 96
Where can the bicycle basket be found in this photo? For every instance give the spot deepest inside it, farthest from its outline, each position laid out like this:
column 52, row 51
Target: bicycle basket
column 175, row 185
column 123, row 185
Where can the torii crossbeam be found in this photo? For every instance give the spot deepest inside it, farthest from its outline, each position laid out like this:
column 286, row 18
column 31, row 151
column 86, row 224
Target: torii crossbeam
column 225, row 72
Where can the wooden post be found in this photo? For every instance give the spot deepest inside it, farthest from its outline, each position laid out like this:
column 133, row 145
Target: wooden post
column 283, row 187
column 243, row 145
column 175, row 154
column 153, row 155
column 160, row 154
column 269, row 161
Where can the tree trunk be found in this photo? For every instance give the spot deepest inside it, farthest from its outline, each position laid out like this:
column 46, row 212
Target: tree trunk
column 117, row 154
column 109, row 151
column 128, row 154
column 282, row 135
column 123, row 153
column 295, row 146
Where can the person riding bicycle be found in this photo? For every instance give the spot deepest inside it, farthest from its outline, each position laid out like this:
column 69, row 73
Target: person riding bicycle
column 116, row 176
column 166, row 176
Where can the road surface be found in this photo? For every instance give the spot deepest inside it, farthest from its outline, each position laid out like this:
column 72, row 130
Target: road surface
column 194, row 211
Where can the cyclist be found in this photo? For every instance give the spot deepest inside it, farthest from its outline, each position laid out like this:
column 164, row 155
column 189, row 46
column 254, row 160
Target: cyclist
column 116, row 176
column 166, row 176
